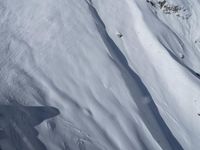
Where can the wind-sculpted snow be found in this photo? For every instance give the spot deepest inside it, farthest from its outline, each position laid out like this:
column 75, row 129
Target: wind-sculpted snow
column 17, row 126
column 148, row 111
column 99, row 75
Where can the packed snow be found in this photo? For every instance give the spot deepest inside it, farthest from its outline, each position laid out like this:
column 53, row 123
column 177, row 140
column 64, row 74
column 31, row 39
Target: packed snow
column 99, row 75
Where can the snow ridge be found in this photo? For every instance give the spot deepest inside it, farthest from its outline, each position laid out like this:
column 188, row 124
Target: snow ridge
column 148, row 111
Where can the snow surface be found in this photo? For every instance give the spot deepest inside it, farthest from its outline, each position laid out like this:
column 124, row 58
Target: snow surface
column 99, row 75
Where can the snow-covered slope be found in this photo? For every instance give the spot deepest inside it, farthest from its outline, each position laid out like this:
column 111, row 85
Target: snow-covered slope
column 107, row 75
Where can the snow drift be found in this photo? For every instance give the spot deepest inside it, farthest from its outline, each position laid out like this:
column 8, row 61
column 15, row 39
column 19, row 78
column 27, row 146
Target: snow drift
column 99, row 75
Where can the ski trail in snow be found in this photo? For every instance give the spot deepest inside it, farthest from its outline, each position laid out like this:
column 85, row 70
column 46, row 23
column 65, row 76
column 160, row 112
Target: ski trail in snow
column 148, row 111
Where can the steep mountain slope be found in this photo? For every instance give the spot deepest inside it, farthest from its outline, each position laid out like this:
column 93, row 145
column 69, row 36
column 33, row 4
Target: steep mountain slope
column 118, row 75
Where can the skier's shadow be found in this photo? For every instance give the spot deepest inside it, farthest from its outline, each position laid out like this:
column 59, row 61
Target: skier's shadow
column 17, row 124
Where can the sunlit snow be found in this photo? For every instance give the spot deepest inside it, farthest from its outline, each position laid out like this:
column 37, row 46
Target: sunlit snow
column 99, row 75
